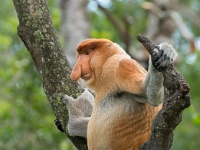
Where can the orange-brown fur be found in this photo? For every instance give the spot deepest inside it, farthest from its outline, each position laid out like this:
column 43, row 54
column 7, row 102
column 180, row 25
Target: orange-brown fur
column 119, row 123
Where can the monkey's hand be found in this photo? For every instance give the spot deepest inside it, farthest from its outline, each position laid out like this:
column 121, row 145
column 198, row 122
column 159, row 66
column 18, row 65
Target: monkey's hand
column 163, row 56
column 79, row 111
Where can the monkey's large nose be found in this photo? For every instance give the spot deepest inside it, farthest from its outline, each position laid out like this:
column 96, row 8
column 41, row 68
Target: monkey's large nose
column 76, row 72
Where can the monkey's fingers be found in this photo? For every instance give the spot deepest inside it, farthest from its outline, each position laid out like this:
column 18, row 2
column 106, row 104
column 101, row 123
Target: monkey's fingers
column 157, row 55
column 66, row 99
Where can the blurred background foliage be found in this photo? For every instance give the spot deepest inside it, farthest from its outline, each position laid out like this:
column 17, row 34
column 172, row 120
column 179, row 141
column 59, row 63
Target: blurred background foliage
column 25, row 115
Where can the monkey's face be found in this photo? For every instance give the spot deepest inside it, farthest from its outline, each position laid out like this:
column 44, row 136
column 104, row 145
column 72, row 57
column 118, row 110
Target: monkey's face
column 91, row 54
column 82, row 67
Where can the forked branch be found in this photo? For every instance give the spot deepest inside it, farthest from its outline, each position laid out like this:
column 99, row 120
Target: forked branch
column 177, row 98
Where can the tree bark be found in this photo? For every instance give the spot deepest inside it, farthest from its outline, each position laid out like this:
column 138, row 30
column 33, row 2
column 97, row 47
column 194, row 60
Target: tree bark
column 37, row 32
column 177, row 98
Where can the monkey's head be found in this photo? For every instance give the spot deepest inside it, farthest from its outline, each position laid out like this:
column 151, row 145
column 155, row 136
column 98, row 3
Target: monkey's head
column 91, row 55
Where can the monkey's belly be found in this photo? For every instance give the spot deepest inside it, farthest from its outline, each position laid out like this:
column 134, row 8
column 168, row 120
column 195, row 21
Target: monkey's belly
column 120, row 127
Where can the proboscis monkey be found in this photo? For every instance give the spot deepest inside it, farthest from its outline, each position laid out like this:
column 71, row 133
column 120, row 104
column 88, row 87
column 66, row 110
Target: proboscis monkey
column 127, row 96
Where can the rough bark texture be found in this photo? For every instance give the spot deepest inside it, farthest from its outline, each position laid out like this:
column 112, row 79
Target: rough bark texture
column 39, row 36
column 177, row 98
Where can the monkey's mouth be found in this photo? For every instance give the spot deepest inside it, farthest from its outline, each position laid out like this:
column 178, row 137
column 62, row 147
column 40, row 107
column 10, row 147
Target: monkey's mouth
column 86, row 76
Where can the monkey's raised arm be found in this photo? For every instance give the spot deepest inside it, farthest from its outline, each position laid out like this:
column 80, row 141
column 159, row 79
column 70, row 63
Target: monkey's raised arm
column 131, row 77
column 153, row 86
column 164, row 55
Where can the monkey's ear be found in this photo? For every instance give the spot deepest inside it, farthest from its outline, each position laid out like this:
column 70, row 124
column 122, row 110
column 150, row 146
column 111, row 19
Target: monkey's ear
column 76, row 72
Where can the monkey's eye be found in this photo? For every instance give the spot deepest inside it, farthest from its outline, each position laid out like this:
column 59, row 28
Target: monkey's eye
column 87, row 53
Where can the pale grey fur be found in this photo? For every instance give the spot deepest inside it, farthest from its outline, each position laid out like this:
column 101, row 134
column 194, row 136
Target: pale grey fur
column 154, row 79
column 79, row 110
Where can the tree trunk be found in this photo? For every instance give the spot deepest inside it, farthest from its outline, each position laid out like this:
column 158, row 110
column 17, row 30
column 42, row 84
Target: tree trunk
column 39, row 36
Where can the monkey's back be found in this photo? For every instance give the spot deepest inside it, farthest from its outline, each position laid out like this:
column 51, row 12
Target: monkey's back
column 119, row 122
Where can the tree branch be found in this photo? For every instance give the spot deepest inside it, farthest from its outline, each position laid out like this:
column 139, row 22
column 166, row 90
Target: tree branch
column 177, row 98
column 39, row 36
